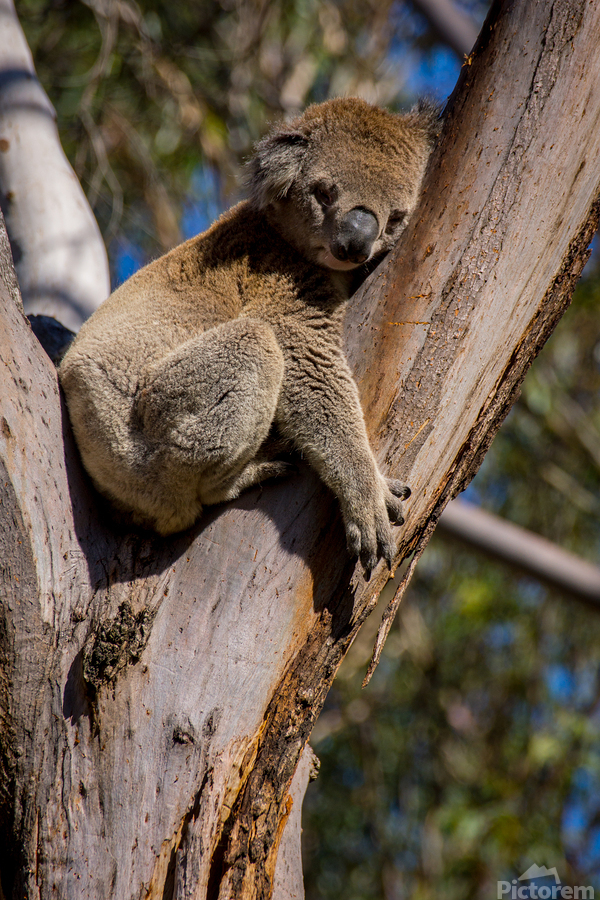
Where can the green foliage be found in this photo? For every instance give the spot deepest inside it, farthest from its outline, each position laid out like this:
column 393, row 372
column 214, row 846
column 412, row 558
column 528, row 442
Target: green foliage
column 475, row 751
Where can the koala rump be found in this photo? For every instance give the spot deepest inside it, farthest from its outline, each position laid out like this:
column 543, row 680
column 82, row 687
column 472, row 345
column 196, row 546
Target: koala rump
column 177, row 383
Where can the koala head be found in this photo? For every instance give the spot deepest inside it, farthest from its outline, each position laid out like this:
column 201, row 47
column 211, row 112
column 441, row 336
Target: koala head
column 340, row 181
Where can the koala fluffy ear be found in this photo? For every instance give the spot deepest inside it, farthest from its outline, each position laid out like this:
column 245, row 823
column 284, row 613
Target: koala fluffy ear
column 428, row 116
column 277, row 163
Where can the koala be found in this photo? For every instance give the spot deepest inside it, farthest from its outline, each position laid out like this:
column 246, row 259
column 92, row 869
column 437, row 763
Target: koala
column 183, row 386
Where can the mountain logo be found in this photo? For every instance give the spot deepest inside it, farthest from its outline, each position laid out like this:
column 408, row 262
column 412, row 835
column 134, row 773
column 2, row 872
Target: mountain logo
column 527, row 887
column 539, row 872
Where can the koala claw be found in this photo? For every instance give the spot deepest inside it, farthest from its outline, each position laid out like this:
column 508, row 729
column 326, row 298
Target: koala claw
column 387, row 548
column 396, row 517
column 369, row 558
column 396, row 492
column 398, row 489
column 372, row 540
column 353, row 540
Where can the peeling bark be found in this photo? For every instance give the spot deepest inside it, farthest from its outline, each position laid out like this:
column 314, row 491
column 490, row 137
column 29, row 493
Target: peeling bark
column 156, row 695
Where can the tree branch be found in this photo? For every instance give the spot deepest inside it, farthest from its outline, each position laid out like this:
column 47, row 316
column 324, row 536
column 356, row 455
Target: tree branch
column 453, row 26
column 58, row 251
column 533, row 554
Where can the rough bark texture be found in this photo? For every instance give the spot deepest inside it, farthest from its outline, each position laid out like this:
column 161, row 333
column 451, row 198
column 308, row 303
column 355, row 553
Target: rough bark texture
column 155, row 696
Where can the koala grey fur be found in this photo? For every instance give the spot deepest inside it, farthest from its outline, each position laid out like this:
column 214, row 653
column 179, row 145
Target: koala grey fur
column 178, row 382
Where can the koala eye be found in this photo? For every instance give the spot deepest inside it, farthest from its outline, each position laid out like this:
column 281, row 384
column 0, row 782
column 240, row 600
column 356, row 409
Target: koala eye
column 395, row 219
column 324, row 195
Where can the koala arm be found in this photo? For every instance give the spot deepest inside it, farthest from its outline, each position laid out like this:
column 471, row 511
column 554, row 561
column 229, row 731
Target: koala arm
column 319, row 411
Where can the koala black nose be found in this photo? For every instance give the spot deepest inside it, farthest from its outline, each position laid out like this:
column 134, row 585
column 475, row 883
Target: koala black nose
column 355, row 237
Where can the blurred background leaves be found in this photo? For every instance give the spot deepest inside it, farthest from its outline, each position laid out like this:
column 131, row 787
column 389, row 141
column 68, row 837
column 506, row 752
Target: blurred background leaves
column 475, row 750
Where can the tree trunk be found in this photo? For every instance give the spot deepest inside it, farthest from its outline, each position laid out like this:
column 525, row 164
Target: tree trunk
column 156, row 695
column 57, row 246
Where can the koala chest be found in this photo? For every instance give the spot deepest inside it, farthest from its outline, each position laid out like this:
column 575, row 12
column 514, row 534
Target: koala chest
column 293, row 300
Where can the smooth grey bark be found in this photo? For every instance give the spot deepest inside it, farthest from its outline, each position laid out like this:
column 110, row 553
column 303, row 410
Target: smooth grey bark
column 57, row 247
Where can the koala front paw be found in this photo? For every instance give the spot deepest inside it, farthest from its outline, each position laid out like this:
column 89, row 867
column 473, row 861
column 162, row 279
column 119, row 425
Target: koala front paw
column 369, row 533
column 371, row 541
